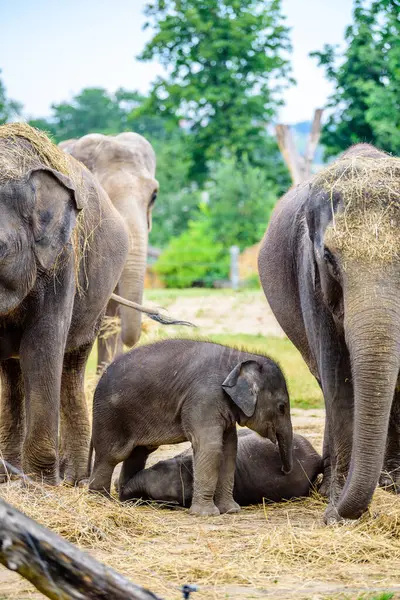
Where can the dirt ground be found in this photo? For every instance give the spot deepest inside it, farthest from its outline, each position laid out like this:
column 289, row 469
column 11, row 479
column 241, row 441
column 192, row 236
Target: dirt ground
column 266, row 551
column 215, row 312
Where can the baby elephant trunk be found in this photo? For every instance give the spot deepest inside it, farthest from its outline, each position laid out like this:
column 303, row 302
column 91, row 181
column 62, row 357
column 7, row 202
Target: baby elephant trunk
column 135, row 488
column 285, row 442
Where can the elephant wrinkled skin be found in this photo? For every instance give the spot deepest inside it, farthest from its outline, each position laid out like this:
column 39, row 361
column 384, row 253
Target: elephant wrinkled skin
column 330, row 268
column 178, row 390
column 54, row 288
column 125, row 166
column 258, row 474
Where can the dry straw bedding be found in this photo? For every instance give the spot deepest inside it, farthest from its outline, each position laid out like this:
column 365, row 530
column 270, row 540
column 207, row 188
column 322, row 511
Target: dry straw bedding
column 278, row 550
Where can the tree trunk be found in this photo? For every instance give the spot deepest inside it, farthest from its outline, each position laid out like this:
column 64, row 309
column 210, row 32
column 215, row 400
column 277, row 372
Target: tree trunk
column 57, row 568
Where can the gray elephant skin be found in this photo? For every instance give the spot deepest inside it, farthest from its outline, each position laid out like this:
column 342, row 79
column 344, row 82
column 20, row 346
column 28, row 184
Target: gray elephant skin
column 125, row 166
column 62, row 248
column 258, row 474
column 177, row 390
column 329, row 265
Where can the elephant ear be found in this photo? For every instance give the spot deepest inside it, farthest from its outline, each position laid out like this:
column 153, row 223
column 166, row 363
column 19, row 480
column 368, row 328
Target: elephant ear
column 243, row 385
column 53, row 217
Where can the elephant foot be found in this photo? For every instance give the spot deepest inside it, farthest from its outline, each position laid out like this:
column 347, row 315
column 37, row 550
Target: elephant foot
column 204, row 510
column 390, row 481
column 71, row 482
column 230, row 507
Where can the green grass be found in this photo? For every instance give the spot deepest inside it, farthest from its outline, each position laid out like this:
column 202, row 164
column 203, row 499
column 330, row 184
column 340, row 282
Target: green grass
column 303, row 389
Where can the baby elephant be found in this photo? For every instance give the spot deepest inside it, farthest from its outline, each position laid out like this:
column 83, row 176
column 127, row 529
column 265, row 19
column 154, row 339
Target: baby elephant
column 258, row 474
column 178, row 390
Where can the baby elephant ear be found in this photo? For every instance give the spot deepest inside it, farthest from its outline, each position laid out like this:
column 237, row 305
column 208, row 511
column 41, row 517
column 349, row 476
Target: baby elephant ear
column 243, row 385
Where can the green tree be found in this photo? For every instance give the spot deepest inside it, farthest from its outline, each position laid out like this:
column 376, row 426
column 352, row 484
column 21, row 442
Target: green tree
column 194, row 257
column 226, row 63
column 178, row 199
column 242, row 198
column 92, row 110
column 366, row 101
column 9, row 109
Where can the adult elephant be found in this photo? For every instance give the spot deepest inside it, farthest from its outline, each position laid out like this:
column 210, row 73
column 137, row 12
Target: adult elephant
column 63, row 246
column 125, row 167
column 330, row 268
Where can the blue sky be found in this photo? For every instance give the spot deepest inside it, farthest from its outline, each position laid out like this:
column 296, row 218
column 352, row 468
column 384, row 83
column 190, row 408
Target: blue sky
column 50, row 50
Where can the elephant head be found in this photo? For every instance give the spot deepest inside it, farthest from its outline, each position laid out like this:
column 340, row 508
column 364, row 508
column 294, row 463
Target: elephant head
column 259, row 390
column 352, row 236
column 39, row 205
column 125, row 167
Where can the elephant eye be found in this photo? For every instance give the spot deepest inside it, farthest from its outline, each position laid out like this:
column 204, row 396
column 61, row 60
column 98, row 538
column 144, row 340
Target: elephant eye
column 281, row 408
column 332, row 264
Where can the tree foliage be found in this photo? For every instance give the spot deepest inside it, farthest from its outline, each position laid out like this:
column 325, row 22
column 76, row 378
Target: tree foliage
column 366, row 102
column 178, row 199
column 226, row 61
column 194, row 257
column 95, row 110
column 9, row 109
column 241, row 201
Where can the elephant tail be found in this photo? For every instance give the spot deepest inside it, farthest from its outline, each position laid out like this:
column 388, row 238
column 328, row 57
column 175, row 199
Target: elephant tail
column 90, row 459
column 153, row 314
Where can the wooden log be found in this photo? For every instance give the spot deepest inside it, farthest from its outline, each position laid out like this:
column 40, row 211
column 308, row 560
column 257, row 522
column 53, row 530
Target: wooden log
column 293, row 160
column 299, row 166
column 312, row 142
column 57, row 568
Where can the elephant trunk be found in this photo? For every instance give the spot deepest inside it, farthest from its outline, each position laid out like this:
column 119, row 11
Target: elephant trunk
column 373, row 339
column 131, row 285
column 285, row 442
column 134, row 488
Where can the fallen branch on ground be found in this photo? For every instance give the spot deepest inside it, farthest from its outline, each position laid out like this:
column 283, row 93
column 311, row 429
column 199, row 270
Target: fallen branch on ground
column 57, row 568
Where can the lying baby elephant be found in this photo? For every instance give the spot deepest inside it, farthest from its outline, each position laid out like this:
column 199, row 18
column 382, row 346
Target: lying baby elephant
column 258, row 474
column 178, row 390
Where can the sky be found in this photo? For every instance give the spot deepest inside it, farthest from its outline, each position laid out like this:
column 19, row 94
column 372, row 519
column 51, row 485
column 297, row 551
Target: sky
column 50, row 50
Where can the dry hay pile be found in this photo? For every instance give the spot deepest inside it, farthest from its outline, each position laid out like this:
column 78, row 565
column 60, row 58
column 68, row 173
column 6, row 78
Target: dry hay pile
column 281, row 548
column 276, row 550
column 23, row 149
column 369, row 185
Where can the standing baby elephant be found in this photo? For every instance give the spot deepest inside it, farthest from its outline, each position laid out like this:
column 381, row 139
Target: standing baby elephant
column 258, row 474
column 178, row 390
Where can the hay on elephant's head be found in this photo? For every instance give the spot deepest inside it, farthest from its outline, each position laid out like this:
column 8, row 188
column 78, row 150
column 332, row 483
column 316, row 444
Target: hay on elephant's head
column 24, row 148
column 369, row 187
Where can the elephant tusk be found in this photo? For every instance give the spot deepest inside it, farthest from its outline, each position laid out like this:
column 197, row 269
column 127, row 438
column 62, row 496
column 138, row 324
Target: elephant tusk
column 150, row 312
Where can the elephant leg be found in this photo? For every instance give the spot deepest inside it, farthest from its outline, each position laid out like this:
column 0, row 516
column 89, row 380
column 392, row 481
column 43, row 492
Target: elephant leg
column 390, row 478
column 207, row 457
column 100, row 480
column 75, row 427
column 132, row 465
column 109, row 345
column 12, row 417
column 42, row 356
column 224, row 492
